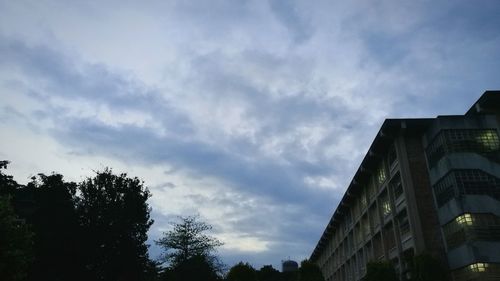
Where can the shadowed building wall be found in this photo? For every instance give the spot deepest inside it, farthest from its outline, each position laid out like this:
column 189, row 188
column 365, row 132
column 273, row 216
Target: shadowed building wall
column 425, row 185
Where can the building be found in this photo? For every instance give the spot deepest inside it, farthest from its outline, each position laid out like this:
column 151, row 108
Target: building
column 425, row 186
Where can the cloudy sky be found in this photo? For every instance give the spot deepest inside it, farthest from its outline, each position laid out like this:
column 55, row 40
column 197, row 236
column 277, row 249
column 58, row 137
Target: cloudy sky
column 252, row 114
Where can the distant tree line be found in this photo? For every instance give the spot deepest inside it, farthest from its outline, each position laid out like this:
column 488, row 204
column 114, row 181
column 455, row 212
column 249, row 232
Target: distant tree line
column 53, row 229
column 308, row 271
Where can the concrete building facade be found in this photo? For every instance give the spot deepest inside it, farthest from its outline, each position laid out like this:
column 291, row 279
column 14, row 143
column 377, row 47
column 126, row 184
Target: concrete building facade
column 425, row 186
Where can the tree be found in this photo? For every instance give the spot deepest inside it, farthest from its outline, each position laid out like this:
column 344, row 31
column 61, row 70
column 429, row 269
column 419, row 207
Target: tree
column 193, row 269
column 51, row 211
column 16, row 237
column 268, row 273
column 188, row 240
column 242, row 272
column 310, row 272
column 376, row 271
column 115, row 217
column 427, row 268
column 7, row 184
column 16, row 244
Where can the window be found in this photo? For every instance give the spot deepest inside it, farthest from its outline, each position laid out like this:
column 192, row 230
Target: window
column 385, row 205
column 472, row 227
column 478, row 267
column 392, row 157
column 390, row 240
column 355, row 209
column 365, row 226
column 396, row 186
column 386, row 208
column 374, row 218
column 465, row 219
column 480, row 271
column 481, row 141
column 404, row 224
column 445, row 190
column 372, row 190
column 377, row 246
column 463, row 182
column 363, row 201
column 348, row 221
column 381, row 174
column 351, row 242
column 359, row 235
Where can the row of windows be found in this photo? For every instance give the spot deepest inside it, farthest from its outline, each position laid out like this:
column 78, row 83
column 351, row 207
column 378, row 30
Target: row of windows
column 480, row 271
column 481, row 141
column 463, row 182
column 348, row 242
column 472, row 227
column 358, row 213
column 364, row 214
column 355, row 241
column 355, row 268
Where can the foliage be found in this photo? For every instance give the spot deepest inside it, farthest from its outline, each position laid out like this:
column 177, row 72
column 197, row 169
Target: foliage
column 95, row 230
column 268, row 273
column 16, row 243
column 48, row 204
column 193, row 269
column 7, row 184
column 115, row 217
column 290, row 276
column 309, row 271
column 242, row 272
column 377, row 271
column 427, row 268
column 187, row 240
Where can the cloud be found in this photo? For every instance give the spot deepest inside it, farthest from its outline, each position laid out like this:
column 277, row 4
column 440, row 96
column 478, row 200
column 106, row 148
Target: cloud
column 253, row 114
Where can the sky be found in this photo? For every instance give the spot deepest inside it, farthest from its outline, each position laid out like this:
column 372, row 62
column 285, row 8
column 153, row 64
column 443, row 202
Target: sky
column 253, row 115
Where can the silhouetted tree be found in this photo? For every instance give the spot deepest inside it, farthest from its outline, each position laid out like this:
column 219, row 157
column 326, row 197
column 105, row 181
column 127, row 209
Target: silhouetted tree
column 48, row 204
column 16, row 244
column 268, row 273
column 193, row 269
column 427, row 268
column 242, row 272
column 115, row 217
column 310, row 272
column 376, row 271
column 8, row 185
column 187, row 240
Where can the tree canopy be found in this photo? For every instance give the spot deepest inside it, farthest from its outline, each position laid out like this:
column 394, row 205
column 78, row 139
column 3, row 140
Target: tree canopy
column 425, row 267
column 115, row 218
column 242, row 272
column 187, row 240
column 268, row 273
column 190, row 252
column 16, row 244
column 376, row 271
column 309, row 271
column 51, row 229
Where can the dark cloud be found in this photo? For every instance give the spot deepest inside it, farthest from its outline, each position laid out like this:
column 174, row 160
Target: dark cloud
column 288, row 13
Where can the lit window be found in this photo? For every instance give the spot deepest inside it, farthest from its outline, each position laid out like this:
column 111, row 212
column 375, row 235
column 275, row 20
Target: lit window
column 386, row 208
column 488, row 139
column 363, row 200
column 381, row 175
column 465, row 219
column 478, row 267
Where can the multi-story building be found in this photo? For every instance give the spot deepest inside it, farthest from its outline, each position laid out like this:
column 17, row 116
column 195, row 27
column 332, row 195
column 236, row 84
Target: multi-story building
column 425, row 186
